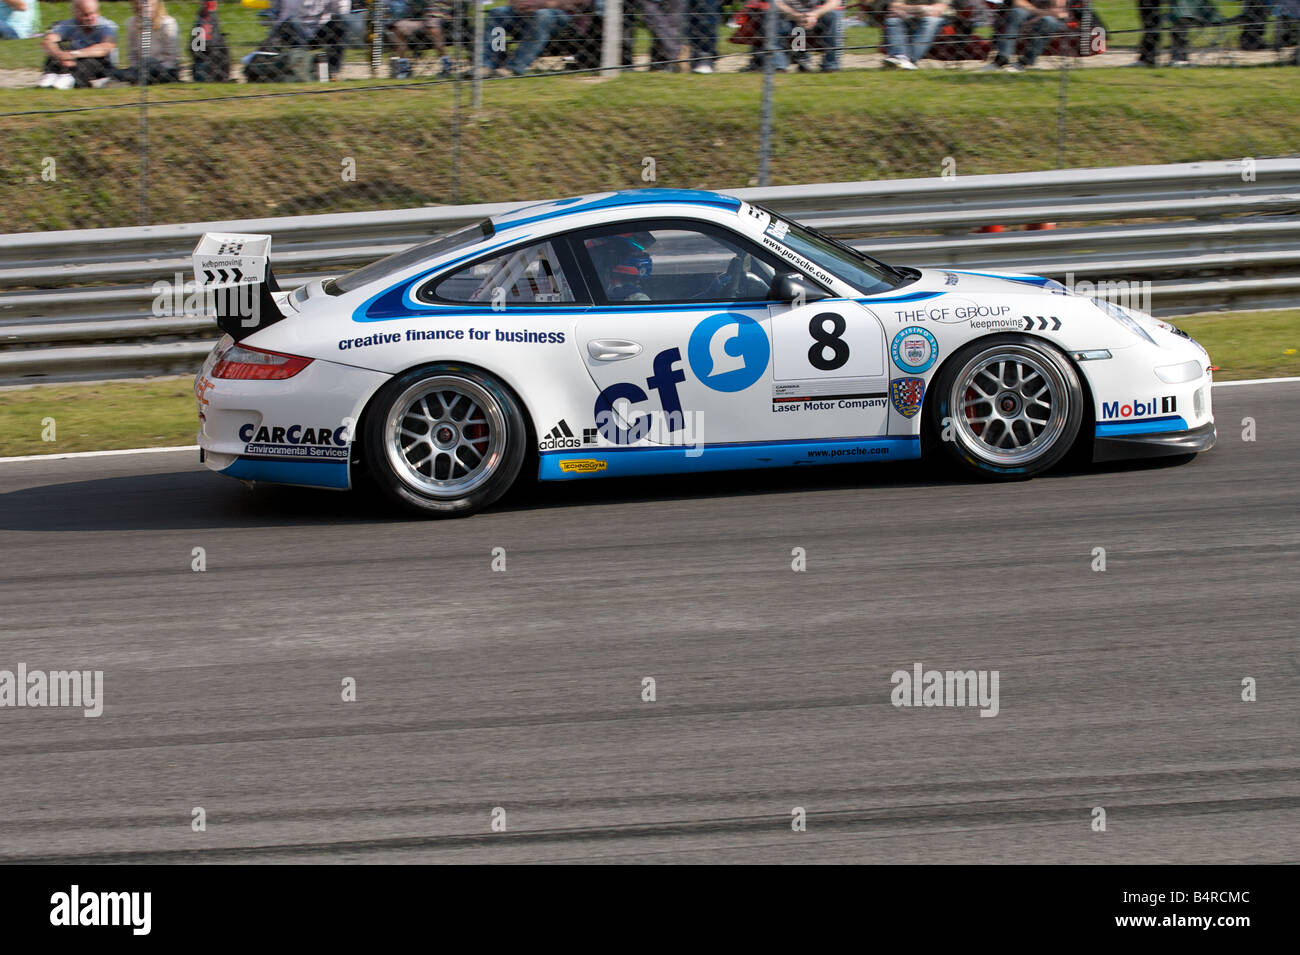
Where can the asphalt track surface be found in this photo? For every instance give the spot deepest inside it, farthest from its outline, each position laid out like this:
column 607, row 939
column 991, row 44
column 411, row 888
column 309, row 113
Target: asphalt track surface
column 522, row 690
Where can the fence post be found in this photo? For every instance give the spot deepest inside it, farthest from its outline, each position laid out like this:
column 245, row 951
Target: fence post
column 611, row 50
column 476, row 98
column 378, row 17
column 455, row 137
column 140, row 57
column 765, row 116
column 1062, row 104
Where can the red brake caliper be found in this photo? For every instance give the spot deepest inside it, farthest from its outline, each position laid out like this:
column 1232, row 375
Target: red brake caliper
column 476, row 434
column 971, row 396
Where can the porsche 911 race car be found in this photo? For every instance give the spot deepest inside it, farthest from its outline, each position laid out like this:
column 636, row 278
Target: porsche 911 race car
column 663, row 331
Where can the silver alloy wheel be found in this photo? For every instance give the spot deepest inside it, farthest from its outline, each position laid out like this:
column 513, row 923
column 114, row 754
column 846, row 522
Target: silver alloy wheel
column 1009, row 405
column 445, row 436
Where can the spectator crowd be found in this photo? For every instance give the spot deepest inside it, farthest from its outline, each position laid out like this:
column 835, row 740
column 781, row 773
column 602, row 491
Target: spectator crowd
column 306, row 39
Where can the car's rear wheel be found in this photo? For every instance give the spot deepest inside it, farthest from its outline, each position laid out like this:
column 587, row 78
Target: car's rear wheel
column 1007, row 408
column 445, row 440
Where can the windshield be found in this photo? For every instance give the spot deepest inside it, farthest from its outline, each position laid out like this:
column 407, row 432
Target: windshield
column 408, row 257
column 844, row 262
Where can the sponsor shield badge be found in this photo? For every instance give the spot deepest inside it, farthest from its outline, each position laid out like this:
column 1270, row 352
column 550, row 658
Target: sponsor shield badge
column 905, row 395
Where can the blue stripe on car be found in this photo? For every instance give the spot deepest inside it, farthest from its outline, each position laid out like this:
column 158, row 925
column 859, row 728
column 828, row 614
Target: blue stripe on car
column 569, row 309
column 616, row 200
column 630, row 462
column 1023, row 279
column 907, row 297
column 330, row 474
column 1112, row 429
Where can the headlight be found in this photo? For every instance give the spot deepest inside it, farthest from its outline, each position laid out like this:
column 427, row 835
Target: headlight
column 1123, row 317
column 1183, row 371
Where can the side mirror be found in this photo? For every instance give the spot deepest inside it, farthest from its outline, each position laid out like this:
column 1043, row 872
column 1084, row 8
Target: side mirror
column 791, row 287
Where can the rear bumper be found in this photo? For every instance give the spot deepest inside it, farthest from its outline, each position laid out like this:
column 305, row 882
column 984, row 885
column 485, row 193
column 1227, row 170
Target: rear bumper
column 1160, row 444
column 297, row 430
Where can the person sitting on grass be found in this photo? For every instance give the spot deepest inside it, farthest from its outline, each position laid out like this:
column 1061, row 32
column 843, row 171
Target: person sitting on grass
column 19, row 19
column 1039, row 20
column 822, row 26
column 910, row 29
column 533, row 23
column 663, row 18
column 701, row 33
column 819, row 26
column 163, row 62
column 311, row 23
column 79, row 52
column 418, row 24
column 1287, row 29
column 1154, row 19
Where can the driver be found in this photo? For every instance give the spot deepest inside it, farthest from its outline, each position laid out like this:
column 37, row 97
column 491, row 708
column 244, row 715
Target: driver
column 622, row 262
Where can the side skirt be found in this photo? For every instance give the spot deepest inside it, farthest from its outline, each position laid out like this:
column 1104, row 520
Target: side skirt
column 627, row 462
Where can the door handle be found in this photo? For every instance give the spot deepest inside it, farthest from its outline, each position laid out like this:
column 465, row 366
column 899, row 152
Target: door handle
column 612, row 349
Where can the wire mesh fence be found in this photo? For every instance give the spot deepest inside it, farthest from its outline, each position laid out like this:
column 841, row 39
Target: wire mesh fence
column 221, row 110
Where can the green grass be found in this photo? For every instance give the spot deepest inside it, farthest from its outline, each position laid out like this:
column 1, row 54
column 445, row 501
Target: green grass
column 235, row 150
column 1121, row 18
column 1252, row 345
column 160, row 412
column 98, row 417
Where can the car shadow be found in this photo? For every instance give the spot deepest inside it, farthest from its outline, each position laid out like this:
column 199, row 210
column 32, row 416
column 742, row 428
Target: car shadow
column 185, row 500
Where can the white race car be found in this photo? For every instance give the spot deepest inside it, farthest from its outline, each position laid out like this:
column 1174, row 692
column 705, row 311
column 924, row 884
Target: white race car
column 661, row 331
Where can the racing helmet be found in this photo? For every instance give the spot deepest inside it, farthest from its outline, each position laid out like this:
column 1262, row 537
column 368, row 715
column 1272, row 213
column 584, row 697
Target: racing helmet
column 621, row 259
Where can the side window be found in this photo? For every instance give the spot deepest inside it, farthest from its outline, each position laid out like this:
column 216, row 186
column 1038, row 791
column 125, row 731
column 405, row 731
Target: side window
column 674, row 263
column 531, row 275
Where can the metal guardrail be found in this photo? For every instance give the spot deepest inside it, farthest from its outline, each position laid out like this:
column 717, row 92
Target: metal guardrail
column 1207, row 236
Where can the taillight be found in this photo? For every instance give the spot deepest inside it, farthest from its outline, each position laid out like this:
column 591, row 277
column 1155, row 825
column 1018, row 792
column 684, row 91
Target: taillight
column 242, row 362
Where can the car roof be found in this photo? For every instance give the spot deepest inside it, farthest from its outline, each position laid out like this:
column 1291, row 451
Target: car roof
column 608, row 201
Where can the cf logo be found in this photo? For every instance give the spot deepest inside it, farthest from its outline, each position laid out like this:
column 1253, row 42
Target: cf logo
column 728, row 351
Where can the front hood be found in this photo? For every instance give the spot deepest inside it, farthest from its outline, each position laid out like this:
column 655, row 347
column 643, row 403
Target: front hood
column 975, row 283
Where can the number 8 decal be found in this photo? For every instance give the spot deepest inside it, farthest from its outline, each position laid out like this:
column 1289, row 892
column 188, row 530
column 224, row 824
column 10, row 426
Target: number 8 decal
column 823, row 340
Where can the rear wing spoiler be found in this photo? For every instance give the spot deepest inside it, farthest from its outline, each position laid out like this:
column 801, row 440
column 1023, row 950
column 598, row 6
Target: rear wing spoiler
column 234, row 272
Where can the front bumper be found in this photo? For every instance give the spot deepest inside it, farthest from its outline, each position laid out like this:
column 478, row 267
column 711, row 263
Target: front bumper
column 1152, row 400
column 1129, row 446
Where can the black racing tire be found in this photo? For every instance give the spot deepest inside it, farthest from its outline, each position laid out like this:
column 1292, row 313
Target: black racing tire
column 445, row 440
column 1006, row 407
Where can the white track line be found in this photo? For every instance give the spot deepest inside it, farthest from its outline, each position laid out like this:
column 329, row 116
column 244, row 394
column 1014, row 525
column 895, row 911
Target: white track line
column 1253, row 381
column 195, row 447
column 96, row 454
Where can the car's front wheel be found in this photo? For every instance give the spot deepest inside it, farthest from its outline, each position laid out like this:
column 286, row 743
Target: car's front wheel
column 445, row 440
column 1007, row 408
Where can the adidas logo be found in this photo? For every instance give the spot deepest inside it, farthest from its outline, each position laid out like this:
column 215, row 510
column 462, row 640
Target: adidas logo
column 562, row 436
